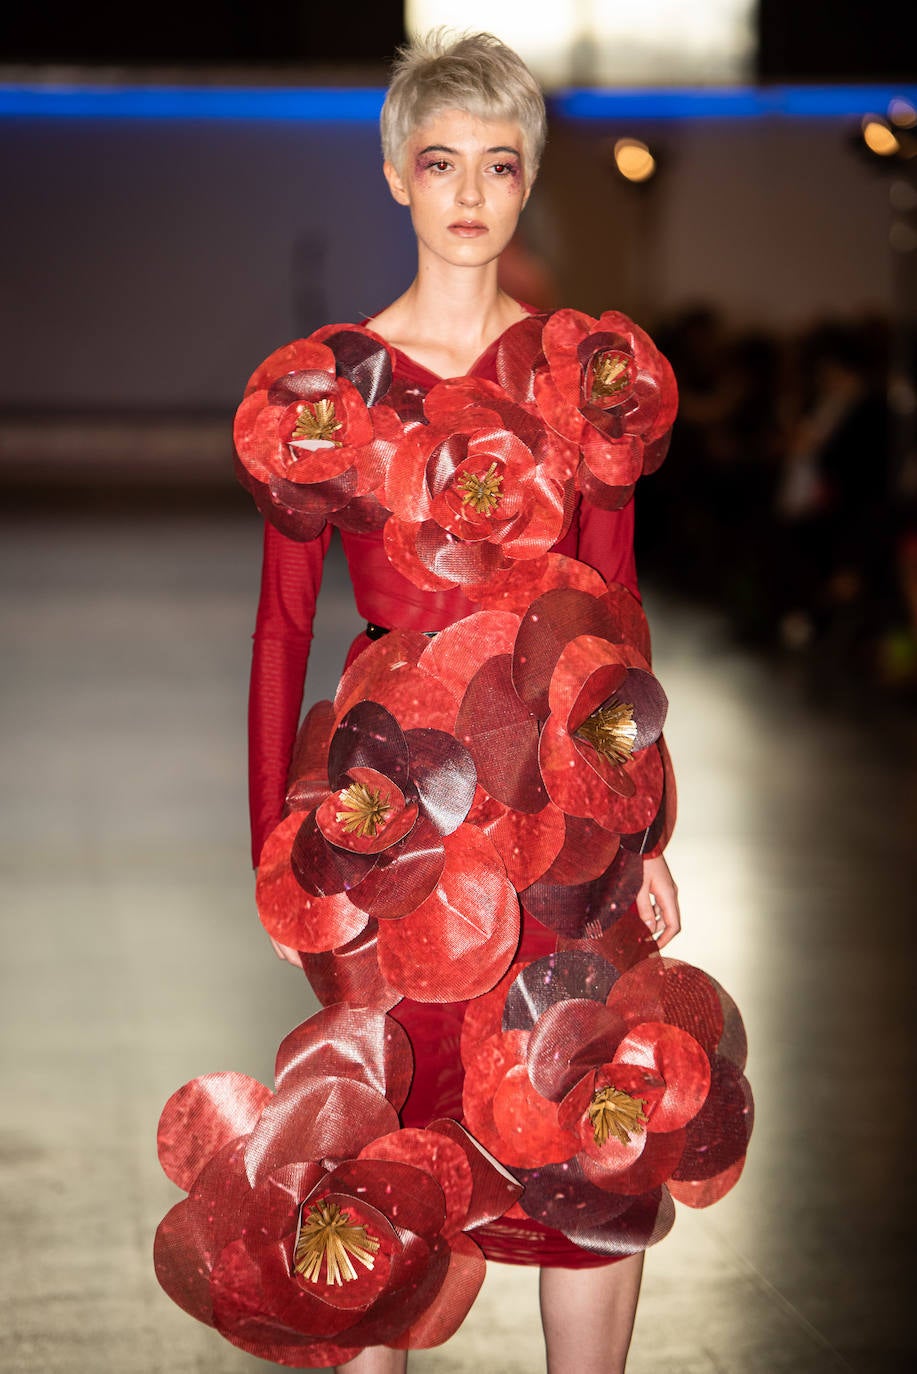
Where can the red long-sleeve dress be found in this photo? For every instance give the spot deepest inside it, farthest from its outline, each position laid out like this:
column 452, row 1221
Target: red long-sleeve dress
column 291, row 579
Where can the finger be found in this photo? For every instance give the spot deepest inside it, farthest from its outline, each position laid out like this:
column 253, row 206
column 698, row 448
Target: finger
column 646, row 910
column 670, row 917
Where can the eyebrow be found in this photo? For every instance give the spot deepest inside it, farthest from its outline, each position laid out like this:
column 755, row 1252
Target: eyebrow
column 441, row 148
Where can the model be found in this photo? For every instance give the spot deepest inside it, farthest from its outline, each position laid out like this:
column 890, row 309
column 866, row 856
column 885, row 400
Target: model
column 464, row 849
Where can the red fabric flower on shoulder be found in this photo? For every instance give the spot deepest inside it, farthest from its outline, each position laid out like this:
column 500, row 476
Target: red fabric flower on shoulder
column 482, row 485
column 609, row 1093
column 312, row 433
column 603, row 385
column 313, row 1225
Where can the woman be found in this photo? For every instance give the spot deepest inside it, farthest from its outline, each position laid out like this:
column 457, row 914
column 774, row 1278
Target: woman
column 445, row 441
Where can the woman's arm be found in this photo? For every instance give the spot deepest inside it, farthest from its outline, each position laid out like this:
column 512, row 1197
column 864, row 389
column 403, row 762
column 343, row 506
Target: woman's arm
column 290, row 580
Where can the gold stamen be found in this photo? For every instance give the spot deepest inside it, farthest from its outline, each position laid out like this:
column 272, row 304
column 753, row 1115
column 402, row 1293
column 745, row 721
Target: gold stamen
column 610, row 374
column 611, row 730
column 317, row 421
column 327, row 1234
column 613, row 1112
column 481, row 491
column 364, row 811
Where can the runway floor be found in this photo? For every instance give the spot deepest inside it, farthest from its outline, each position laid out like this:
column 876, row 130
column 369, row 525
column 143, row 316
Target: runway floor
column 134, row 961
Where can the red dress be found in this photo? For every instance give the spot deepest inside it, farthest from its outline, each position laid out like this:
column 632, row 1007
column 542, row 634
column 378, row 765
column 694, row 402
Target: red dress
column 290, row 583
column 502, row 1064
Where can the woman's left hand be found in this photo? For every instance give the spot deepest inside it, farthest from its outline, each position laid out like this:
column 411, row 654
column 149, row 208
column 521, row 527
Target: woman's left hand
column 657, row 901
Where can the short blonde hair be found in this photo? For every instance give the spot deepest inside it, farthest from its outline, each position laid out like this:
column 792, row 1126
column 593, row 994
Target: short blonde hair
column 473, row 72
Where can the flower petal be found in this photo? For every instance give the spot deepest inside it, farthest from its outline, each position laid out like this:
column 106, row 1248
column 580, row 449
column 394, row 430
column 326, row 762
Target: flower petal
column 203, row 1116
column 349, row 1042
column 501, row 734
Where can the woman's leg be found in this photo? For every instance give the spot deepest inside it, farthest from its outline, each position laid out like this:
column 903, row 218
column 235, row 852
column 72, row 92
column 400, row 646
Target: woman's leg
column 588, row 1316
column 376, row 1359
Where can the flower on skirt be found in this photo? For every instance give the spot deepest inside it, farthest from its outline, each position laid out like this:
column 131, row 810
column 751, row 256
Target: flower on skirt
column 312, row 434
column 603, row 385
column 378, row 853
column 609, row 1093
column 483, row 484
column 313, row 1225
column 564, row 730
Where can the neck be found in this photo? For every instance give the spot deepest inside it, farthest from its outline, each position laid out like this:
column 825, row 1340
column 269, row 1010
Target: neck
column 462, row 304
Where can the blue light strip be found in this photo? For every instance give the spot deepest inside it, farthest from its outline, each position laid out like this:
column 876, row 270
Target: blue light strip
column 362, row 104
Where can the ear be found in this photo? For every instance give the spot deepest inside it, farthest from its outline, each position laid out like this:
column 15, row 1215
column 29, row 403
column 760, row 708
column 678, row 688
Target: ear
column 395, row 183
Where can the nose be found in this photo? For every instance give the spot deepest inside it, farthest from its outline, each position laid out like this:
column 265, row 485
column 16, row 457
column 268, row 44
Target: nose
column 470, row 191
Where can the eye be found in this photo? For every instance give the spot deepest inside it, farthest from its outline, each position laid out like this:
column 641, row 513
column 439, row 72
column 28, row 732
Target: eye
column 441, row 165
column 504, row 169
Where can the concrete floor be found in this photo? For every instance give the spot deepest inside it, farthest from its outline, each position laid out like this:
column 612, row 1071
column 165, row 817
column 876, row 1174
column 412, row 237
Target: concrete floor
column 134, row 961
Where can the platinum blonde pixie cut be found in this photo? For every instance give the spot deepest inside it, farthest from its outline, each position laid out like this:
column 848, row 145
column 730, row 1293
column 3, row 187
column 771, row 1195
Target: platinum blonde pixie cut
column 473, row 72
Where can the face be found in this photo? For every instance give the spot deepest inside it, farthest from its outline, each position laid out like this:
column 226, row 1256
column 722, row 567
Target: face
column 464, row 181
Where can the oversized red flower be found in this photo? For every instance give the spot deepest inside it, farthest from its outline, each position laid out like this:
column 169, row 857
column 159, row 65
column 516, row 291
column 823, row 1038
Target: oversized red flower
column 609, row 1093
column 313, row 1226
column 563, row 727
column 603, row 385
column 379, row 854
column 482, row 485
column 312, row 434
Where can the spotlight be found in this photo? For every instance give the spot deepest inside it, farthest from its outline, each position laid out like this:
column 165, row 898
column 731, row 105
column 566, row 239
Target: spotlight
column 634, row 160
column 878, row 137
column 902, row 113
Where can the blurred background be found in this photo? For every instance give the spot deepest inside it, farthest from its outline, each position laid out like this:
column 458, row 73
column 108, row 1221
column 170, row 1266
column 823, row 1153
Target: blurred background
column 187, row 189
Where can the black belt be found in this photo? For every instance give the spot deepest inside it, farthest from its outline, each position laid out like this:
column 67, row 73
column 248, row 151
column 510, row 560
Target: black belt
column 377, row 631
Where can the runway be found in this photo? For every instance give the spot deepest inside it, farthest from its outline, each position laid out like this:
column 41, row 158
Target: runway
column 134, row 961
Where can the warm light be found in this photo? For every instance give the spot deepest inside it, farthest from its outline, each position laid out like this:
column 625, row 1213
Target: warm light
column 603, row 42
column 878, row 137
column 634, row 160
column 902, row 113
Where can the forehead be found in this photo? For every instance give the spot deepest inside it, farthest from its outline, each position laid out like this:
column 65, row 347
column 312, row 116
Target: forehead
column 466, row 133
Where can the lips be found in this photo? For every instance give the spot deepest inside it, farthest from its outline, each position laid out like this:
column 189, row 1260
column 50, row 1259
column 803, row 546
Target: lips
column 468, row 228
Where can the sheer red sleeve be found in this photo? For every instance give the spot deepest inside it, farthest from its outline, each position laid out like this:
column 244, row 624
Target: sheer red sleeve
column 605, row 540
column 291, row 576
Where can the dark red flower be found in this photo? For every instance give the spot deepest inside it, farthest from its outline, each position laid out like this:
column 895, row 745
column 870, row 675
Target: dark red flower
column 482, row 485
column 610, row 1092
column 313, row 1225
column 378, row 875
column 603, row 385
column 312, row 433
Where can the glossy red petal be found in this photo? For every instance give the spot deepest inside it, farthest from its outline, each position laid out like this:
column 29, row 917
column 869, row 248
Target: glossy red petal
column 349, row 1042
column 527, row 844
column 653, row 840
column 400, row 539
column 556, row 978
column 515, row 588
column 443, row 774
column 351, row 974
column 569, row 1039
column 336, row 814
column 586, row 909
column 182, row 1270
column 501, row 734
column 411, row 1198
column 623, row 944
column 704, row 1192
column 648, row 1169
column 457, row 652
column 368, row 736
column 551, row 621
column 308, row 776
column 614, row 462
column 527, row 1124
column 679, row 1061
column 403, row 876
column 436, row 1155
column 518, row 356
column 458, row 943
column 301, row 355
column 328, row 1119
column 322, row 869
column 718, row 1136
column 493, row 1188
column 487, row 1065
column 256, row 1299
column 203, row 1116
column 587, row 850
column 483, row 1016
column 289, row 914
column 449, row 1308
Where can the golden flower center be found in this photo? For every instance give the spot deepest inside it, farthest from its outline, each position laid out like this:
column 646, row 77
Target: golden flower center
column 327, row 1236
column 481, row 491
column 613, row 1112
column 317, row 420
column 363, row 809
column 610, row 374
column 611, row 730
